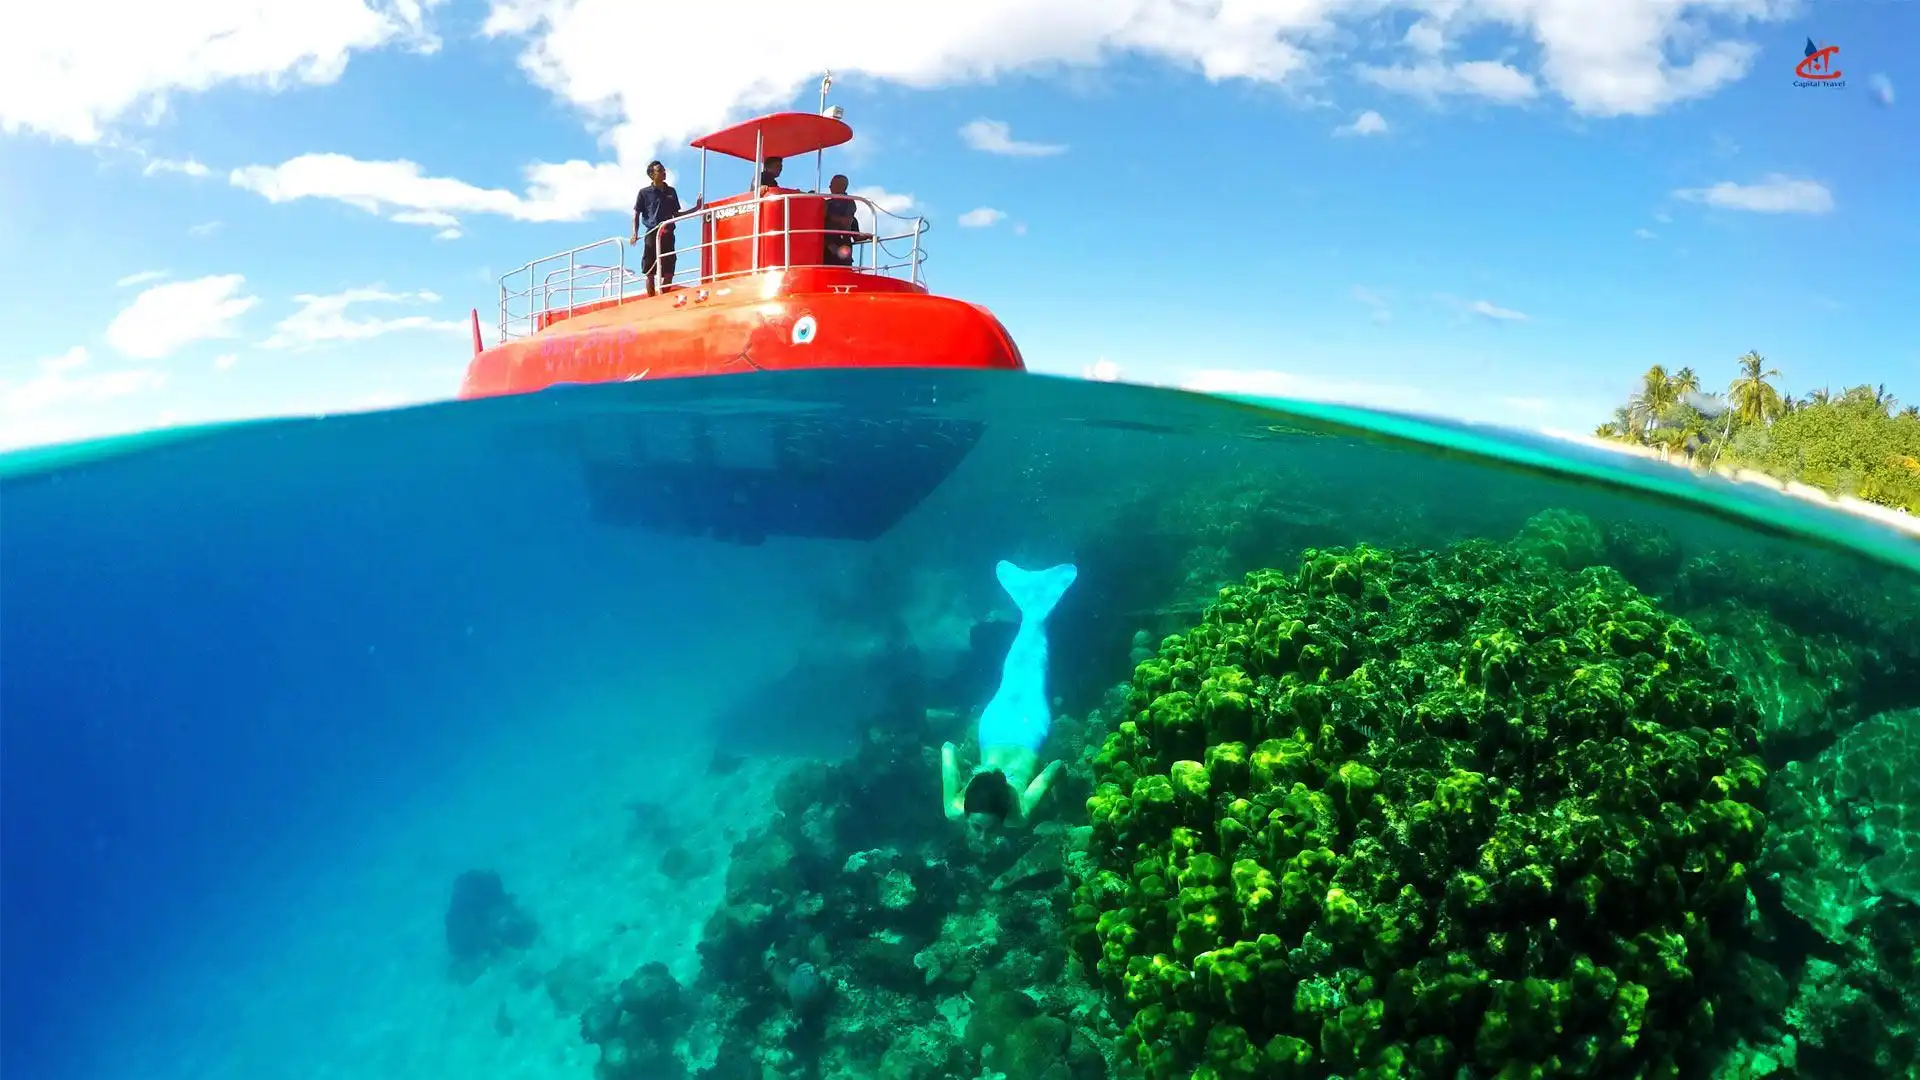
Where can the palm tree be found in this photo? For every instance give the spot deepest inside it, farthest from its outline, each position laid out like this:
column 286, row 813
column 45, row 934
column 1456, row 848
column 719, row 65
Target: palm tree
column 1822, row 396
column 1684, row 382
column 1670, row 438
column 1754, row 398
column 1658, row 392
column 1884, row 400
column 1622, row 424
column 1911, row 412
column 1862, row 396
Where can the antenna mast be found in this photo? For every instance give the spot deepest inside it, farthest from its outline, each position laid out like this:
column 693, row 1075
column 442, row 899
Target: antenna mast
column 820, row 156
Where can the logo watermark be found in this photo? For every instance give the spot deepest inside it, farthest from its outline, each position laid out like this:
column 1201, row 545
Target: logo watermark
column 1819, row 68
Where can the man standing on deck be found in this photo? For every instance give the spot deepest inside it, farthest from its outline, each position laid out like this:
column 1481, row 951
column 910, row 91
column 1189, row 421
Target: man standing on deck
column 843, row 224
column 653, row 213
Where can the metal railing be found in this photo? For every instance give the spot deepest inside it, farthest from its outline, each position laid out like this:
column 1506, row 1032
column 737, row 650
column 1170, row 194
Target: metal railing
column 556, row 286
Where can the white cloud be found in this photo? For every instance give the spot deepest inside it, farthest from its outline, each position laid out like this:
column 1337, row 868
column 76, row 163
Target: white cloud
column 140, row 278
column 996, row 137
column 447, row 225
column 1474, row 78
column 324, row 318
column 205, row 228
column 433, row 219
column 59, row 401
column 379, row 400
column 225, row 361
column 890, row 202
column 164, row 319
column 1101, row 370
column 1644, row 234
column 980, row 217
column 1623, row 57
column 1487, row 310
column 189, row 167
column 581, row 51
column 1774, row 194
column 1882, row 89
column 1267, row 383
column 74, row 70
column 1367, row 123
column 1425, row 38
column 1378, row 303
column 569, row 191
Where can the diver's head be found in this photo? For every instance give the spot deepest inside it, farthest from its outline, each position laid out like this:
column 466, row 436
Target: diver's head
column 989, row 799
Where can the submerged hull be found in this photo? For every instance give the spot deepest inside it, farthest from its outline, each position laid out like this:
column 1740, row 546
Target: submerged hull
column 743, row 478
column 824, row 472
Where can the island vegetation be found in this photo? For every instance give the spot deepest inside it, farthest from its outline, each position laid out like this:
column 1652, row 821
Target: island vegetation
column 1859, row 442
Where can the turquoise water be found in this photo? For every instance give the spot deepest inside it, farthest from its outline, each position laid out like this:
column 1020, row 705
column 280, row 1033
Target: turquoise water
column 279, row 699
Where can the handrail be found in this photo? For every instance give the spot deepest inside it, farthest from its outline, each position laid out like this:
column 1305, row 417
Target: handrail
column 556, row 283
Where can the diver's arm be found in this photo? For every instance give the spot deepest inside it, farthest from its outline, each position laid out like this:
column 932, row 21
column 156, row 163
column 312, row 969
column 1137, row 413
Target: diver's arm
column 952, row 797
column 1037, row 790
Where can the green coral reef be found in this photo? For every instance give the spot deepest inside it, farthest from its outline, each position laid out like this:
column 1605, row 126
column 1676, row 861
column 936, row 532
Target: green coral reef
column 1601, row 799
column 1395, row 815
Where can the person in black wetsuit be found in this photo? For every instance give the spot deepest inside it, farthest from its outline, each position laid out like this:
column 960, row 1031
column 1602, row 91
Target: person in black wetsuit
column 653, row 212
column 843, row 224
column 770, row 173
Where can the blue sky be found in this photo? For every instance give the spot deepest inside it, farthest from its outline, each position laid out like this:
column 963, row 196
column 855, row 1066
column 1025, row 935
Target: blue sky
column 1497, row 209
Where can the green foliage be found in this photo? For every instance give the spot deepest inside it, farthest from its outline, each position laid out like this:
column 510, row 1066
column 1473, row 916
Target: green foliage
column 1858, row 443
column 1417, row 815
column 1752, row 395
column 1849, row 446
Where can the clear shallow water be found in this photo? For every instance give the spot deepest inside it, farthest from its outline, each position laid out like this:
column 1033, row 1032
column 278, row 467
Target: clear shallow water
column 269, row 690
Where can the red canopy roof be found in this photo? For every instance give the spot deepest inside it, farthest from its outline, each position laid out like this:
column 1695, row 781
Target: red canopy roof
column 787, row 134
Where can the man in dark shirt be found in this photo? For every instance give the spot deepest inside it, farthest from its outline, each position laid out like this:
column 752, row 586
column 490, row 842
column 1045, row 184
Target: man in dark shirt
column 653, row 212
column 770, row 173
column 843, row 224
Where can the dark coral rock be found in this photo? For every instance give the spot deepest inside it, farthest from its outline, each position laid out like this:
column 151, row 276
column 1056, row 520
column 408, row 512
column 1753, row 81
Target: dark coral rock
column 572, row 984
column 1875, row 610
column 1877, row 771
column 650, row 821
column 1647, row 554
column 1843, row 856
column 1806, row 684
column 637, row 1026
column 1760, row 982
column 1848, row 1026
column 1562, row 539
column 765, row 865
column 860, row 885
column 923, row 1053
column 807, row 991
column 1814, row 853
column 483, row 922
column 1084, row 1059
column 681, row 864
